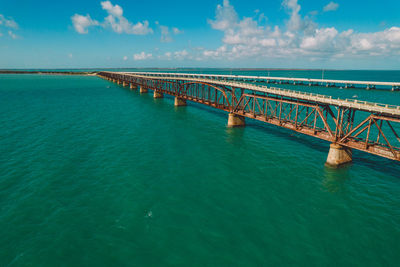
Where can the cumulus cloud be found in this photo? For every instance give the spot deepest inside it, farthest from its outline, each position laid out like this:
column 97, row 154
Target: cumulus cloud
column 9, row 24
column 332, row 6
column 183, row 54
column 142, row 56
column 112, row 10
column 175, row 30
column 115, row 21
column 225, row 17
column 12, row 35
column 82, row 23
column 300, row 37
column 119, row 24
column 125, row 58
column 166, row 34
column 168, row 55
column 177, row 55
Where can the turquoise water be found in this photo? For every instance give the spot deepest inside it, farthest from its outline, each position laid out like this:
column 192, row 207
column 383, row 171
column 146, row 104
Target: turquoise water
column 94, row 174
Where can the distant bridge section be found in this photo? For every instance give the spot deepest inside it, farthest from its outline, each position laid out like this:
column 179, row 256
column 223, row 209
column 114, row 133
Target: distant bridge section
column 394, row 86
column 347, row 124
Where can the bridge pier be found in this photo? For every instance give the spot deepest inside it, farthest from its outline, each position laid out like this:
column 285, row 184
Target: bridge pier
column 338, row 156
column 179, row 102
column 143, row 90
column 132, row 86
column 124, row 84
column 158, row 94
column 235, row 120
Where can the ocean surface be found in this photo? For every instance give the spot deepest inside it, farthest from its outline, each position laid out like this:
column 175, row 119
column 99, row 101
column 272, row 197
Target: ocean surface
column 92, row 174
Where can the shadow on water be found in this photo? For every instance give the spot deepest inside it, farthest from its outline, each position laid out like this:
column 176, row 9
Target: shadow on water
column 334, row 179
column 214, row 111
column 235, row 135
column 289, row 135
column 378, row 164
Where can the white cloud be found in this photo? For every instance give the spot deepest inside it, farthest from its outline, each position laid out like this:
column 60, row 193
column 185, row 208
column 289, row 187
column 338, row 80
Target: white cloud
column 178, row 55
column 332, row 6
column 176, row 31
column 113, row 10
column 321, row 40
column 115, row 20
column 12, row 35
column 82, row 23
column 125, row 58
column 142, row 56
column 9, row 23
column 165, row 35
column 225, row 17
column 295, row 21
column 183, row 54
column 120, row 24
column 246, row 38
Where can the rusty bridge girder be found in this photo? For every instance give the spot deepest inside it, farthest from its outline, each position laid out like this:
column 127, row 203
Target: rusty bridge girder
column 358, row 128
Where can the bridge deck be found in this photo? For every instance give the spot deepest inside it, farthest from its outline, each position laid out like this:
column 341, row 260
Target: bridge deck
column 373, row 130
column 267, row 78
column 349, row 103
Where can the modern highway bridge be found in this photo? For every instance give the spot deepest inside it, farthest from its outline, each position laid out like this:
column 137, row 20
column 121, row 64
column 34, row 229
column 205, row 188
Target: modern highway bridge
column 347, row 124
column 394, row 86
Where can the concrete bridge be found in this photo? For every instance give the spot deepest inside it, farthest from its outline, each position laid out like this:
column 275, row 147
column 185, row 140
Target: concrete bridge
column 346, row 124
column 394, row 86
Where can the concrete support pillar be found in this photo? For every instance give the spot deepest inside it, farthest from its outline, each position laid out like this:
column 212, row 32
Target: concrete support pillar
column 143, row 90
column 119, row 82
column 132, row 86
column 124, row 84
column 158, row 94
column 179, row 102
column 236, row 120
column 338, row 156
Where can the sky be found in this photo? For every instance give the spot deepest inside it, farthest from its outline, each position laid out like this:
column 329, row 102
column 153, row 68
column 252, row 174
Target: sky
column 339, row 34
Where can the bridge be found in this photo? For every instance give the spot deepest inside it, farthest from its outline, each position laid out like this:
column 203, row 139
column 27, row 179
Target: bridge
column 346, row 124
column 394, row 86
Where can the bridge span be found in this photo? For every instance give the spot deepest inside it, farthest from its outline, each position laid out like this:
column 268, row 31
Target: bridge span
column 394, row 86
column 347, row 124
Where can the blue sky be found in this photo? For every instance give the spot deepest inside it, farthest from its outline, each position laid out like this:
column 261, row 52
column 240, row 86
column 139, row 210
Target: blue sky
column 209, row 33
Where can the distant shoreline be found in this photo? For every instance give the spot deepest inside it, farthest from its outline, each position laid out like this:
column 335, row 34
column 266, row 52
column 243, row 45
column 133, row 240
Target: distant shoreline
column 85, row 73
column 96, row 70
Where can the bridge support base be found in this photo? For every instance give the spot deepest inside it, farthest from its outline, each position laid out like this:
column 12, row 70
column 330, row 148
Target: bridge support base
column 158, row 94
column 236, row 120
column 124, row 84
column 132, row 86
column 179, row 102
column 338, row 156
column 143, row 90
